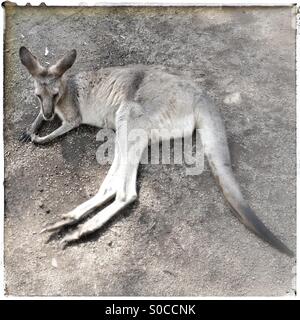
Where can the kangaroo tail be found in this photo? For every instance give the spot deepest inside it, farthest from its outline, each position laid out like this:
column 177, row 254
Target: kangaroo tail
column 215, row 145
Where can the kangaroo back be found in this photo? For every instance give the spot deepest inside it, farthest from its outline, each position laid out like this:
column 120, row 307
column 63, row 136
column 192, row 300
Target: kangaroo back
column 215, row 145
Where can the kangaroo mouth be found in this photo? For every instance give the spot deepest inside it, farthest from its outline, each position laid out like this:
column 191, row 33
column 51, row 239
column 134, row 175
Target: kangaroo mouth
column 49, row 118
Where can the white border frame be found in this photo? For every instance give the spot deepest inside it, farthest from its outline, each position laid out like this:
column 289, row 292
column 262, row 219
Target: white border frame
column 143, row 3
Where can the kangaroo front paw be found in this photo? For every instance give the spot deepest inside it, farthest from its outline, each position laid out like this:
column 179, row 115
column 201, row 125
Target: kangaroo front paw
column 25, row 137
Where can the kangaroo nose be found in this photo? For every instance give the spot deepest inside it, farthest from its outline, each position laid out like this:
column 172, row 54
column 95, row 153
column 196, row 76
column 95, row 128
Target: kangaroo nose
column 48, row 115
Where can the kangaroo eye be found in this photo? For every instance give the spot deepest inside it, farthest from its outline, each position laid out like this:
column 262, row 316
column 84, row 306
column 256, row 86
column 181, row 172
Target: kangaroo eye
column 55, row 95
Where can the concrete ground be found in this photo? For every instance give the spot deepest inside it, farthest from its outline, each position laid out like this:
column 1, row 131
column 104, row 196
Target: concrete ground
column 180, row 238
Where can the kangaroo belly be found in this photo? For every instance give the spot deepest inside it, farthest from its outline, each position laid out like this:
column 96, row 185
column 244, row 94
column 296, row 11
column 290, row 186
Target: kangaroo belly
column 168, row 103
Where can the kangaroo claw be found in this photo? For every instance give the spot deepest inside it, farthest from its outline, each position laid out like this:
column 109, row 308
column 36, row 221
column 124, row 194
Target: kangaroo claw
column 25, row 137
column 58, row 225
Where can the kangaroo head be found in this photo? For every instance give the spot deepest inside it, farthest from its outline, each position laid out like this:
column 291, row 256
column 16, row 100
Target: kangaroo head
column 48, row 83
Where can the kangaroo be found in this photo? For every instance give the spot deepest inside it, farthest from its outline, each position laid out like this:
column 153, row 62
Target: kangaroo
column 126, row 98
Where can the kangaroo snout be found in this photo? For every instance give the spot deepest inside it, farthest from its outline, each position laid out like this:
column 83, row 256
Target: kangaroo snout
column 48, row 116
column 48, row 108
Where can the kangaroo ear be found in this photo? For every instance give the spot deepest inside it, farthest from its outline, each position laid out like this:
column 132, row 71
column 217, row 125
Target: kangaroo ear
column 64, row 63
column 30, row 61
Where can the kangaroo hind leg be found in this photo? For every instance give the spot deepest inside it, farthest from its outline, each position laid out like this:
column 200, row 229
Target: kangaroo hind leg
column 106, row 192
column 126, row 193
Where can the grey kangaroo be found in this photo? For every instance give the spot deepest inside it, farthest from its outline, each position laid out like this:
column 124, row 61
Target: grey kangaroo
column 126, row 98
